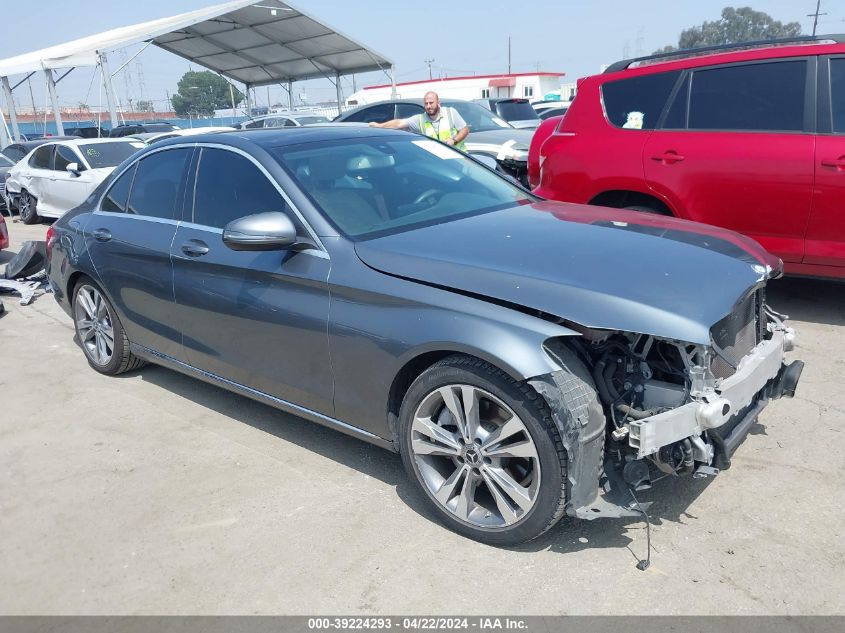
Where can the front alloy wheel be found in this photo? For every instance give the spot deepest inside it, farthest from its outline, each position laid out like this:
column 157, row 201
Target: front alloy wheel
column 484, row 450
column 475, row 456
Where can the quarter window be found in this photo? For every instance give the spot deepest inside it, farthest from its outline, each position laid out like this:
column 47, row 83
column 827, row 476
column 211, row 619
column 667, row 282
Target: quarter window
column 229, row 187
column 637, row 103
column 41, row 158
column 157, row 186
column 754, row 97
column 118, row 195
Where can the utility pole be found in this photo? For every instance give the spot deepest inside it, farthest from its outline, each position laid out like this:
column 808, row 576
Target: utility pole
column 509, row 54
column 429, row 62
column 816, row 15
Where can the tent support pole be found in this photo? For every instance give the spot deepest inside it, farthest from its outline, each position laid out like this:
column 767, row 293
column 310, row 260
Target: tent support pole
column 4, row 133
column 393, row 96
column 104, row 67
column 10, row 104
column 248, row 101
column 339, row 94
column 57, row 115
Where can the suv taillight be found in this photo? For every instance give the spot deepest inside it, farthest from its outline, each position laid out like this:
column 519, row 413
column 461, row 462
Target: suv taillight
column 51, row 238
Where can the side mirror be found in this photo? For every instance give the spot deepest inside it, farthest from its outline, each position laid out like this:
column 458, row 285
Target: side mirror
column 73, row 168
column 272, row 231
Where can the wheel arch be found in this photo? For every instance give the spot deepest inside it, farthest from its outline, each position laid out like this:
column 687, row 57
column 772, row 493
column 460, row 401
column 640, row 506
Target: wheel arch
column 620, row 198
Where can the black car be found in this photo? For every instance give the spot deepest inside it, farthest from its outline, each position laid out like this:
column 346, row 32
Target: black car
column 154, row 127
column 522, row 356
column 86, row 132
column 518, row 112
column 491, row 139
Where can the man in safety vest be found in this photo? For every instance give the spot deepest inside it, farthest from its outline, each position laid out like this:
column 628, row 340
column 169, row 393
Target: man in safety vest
column 440, row 122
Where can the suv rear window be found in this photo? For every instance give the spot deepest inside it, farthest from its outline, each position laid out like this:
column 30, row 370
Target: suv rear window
column 516, row 110
column 752, row 97
column 636, row 103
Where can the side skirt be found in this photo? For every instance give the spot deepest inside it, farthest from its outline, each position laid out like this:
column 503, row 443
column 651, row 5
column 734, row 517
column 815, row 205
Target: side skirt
column 283, row 405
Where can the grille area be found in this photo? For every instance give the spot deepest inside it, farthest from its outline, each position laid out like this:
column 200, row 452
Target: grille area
column 737, row 334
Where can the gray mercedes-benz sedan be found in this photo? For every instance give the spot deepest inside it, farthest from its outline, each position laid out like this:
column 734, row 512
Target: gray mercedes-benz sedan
column 527, row 359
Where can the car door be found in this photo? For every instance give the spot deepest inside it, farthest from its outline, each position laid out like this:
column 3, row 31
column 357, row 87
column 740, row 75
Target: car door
column 736, row 150
column 826, row 230
column 256, row 318
column 36, row 176
column 129, row 239
column 68, row 190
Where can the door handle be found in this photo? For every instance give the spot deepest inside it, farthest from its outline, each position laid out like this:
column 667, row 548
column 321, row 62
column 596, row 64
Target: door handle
column 195, row 248
column 839, row 163
column 102, row 235
column 667, row 158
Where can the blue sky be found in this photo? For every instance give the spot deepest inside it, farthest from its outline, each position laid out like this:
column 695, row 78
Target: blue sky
column 571, row 36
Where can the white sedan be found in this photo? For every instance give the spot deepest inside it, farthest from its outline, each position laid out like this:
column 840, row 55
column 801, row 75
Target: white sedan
column 56, row 177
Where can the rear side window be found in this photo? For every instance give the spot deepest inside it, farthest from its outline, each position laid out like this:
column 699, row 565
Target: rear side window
column 837, row 94
column 376, row 114
column 41, row 158
column 229, row 187
column 117, row 197
column 753, row 97
column 516, row 110
column 407, row 110
column 637, row 103
column 155, row 191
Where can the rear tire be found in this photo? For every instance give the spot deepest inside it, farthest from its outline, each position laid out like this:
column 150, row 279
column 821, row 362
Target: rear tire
column 100, row 332
column 27, row 208
column 497, row 474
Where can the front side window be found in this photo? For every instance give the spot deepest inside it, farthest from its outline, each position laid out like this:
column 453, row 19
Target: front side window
column 407, row 110
column 837, row 94
column 477, row 117
column 117, row 197
column 636, row 103
column 64, row 157
column 755, row 97
column 367, row 187
column 41, row 158
column 229, row 186
column 158, row 184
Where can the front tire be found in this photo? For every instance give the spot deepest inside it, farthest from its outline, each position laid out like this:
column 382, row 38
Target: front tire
column 100, row 332
column 484, row 450
column 27, row 208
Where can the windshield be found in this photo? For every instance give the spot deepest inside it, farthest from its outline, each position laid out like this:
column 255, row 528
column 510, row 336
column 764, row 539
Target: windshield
column 100, row 155
column 516, row 110
column 477, row 117
column 369, row 187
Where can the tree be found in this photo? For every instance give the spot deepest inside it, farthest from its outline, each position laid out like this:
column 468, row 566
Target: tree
column 736, row 25
column 201, row 93
column 145, row 106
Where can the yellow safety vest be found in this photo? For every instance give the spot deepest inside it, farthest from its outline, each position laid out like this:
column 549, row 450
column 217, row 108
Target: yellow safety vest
column 444, row 131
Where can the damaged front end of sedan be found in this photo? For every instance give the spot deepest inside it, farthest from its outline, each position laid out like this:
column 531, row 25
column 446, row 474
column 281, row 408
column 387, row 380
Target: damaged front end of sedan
column 663, row 407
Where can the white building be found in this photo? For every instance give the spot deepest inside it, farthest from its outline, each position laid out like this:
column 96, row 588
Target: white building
column 524, row 85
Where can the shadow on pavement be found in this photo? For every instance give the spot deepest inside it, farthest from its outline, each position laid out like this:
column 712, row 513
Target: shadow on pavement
column 809, row 300
column 671, row 496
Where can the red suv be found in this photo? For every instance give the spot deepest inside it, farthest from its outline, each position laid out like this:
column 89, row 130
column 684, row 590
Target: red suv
column 752, row 140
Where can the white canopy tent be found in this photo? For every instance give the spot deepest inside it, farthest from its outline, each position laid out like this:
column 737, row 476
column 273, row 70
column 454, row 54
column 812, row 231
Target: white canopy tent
column 255, row 42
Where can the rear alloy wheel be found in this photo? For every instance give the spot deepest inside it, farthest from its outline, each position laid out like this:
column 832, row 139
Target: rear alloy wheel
column 100, row 331
column 27, row 208
column 484, row 450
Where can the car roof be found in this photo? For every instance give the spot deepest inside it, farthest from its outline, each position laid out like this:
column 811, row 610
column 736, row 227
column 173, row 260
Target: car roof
column 279, row 137
column 691, row 58
column 77, row 142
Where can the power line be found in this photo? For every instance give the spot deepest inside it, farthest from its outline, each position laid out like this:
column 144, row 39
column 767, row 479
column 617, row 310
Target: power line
column 816, row 15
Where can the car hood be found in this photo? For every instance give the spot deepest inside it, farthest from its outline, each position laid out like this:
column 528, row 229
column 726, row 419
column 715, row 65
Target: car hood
column 521, row 138
column 600, row 268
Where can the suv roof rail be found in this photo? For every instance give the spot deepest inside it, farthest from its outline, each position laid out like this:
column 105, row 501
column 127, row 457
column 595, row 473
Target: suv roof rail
column 691, row 52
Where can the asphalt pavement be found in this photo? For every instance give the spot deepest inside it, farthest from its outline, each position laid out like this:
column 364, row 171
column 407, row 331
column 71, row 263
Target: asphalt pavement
column 154, row 493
